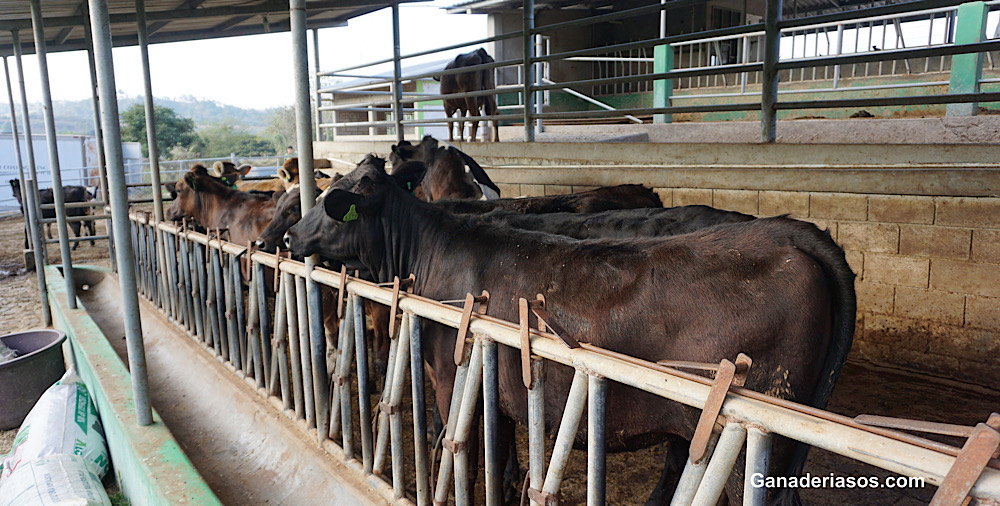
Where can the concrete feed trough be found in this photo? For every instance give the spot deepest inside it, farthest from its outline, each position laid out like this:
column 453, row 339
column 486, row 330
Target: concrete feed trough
column 39, row 364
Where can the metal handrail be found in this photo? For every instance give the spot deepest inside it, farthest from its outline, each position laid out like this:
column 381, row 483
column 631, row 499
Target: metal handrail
column 189, row 267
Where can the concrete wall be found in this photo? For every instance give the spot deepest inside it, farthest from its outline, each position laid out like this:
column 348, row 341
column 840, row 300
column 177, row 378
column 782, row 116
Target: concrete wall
column 919, row 223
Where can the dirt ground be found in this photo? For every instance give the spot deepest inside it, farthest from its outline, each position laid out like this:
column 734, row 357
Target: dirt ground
column 863, row 388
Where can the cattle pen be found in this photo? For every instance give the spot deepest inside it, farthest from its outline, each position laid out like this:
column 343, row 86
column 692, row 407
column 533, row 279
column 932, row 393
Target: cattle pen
column 295, row 418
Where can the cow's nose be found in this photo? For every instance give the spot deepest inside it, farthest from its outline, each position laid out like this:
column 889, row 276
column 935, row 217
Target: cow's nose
column 260, row 244
column 287, row 240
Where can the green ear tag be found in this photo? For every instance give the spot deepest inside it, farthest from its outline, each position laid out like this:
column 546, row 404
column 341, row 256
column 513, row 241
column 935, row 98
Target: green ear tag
column 352, row 214
column 408, row 186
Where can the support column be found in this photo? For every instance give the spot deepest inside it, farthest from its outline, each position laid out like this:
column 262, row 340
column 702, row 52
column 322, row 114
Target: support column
column 663, row 61
column 29, row 148
column 154, row 151
column 966, row 69
column 100, row 25
column 50, row 135
column 527, row 69
column 28, row 207
column 317, row 135
column 99, row 136
column 307, row 196
column 397, row 72
column 769, row 84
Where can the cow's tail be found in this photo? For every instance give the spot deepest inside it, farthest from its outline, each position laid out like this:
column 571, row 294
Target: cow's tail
column 819, row 245
column 478, row 173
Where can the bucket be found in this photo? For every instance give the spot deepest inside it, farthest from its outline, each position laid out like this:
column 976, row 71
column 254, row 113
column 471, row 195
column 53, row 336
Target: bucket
column 39, row 364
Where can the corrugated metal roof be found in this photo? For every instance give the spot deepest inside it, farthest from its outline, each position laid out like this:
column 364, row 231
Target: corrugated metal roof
column 170, row 20
column 419, row 68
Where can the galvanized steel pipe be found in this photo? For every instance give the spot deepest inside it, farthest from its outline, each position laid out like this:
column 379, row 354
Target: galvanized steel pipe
column 118, row 197
column 58, row 198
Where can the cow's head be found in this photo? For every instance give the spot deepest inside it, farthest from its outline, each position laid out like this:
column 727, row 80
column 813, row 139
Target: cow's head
column 402, row 152
column 289, row 171
column 15, row 186
column 191, row 191
column 318, row 232
column 288, row 212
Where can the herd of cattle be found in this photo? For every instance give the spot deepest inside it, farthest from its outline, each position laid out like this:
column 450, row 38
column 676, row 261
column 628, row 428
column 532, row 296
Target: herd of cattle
column 617, row 270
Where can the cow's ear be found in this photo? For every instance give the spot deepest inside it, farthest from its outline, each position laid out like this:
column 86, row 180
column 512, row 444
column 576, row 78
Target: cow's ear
column 276, row 196
column 394, row 148
column 284, row 175
column 409, row 175
column 244, row 169
column 191, row 179
column 342, row 205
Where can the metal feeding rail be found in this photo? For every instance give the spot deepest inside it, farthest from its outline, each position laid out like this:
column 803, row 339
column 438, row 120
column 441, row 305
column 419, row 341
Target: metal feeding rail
column 198, row 282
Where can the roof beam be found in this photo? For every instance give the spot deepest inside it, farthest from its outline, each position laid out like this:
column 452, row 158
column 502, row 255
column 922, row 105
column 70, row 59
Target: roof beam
column 189, row 4
column 132, row 40
column 64, row 34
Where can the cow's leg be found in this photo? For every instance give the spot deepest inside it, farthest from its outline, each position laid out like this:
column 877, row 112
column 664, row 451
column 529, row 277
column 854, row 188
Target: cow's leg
column 677, row 456
column 92, row 230
column 449, row 110
column 507, row 455
column 472, row 103
column 461, row 124
column 75, row 225
column 48, row 229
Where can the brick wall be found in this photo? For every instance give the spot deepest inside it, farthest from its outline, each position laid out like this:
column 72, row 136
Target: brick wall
column 928, row 268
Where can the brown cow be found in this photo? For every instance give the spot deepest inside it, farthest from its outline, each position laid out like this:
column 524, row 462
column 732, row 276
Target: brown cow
column 446, row 177
column 288, row 173
column 775, row 288
column 477, row 80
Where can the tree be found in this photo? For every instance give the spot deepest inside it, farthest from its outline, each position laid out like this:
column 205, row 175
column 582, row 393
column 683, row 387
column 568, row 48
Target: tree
column 223, row 139
column 281, row 128
column 171, row 129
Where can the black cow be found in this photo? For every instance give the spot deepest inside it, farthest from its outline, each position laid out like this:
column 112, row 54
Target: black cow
column 70, row 194
column 619, row 224
column 777, row 289
column 624, row 196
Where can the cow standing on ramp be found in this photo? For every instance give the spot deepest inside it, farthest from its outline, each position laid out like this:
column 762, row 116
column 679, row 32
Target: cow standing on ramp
column 476, row 80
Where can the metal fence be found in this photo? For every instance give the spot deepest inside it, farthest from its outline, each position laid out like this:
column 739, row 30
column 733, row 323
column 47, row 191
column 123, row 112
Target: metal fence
column 833, row 46
column 197, row 280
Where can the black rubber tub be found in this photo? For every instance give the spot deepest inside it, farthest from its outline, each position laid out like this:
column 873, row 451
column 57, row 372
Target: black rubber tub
column 39, row 364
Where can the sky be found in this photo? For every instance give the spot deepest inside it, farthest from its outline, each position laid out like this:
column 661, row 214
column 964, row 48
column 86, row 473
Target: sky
column 252, row 71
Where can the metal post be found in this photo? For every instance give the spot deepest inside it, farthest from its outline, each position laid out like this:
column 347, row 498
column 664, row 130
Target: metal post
column 28, row 207
column 572, row 412
column 99, row 136
column 307, row 196
column 382, row 439
column 50, row 136
column 364, row 401
column 536, row 425
column 229, row 297
column 397, row 83
column 840, row 49
column 539, row 98
column 463, row 426
column 395, row 415
column 292, row 319
column 528, row 7
column 596, row 446
column 447, row 458
column 318, row 134
column 304, row 351
column 491, row 419
column 769, row 84
column 692, row 475
column 30, row 151
column 758, row 462
column 720, row 465
column 419, row 413
column 154, row 151
column 344, row 365
column 101, row 27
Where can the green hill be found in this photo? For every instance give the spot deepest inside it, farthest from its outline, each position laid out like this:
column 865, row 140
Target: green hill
column 76, row 116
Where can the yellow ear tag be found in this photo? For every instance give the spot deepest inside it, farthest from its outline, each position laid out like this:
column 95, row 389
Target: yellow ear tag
column 352, row 214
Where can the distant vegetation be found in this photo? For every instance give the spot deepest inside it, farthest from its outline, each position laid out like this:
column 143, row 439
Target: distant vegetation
column 188, row 126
